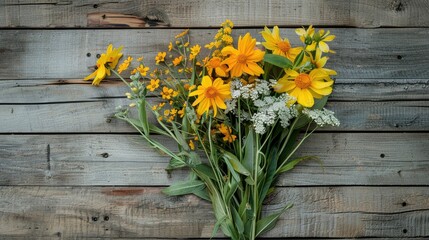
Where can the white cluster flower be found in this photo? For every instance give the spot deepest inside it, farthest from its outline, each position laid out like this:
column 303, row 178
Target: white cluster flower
column 249, row 91
column 231, row 105
column 270, row 109
column 322, row 117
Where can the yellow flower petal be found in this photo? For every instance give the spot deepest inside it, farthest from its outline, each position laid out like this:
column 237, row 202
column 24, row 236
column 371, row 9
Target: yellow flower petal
column 305, row 98
column 323, row 46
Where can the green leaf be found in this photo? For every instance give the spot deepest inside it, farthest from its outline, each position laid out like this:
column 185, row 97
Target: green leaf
column 231, row 188
column 249, row 180
column 143, row 116
column 202, row 193
column 302, row 122
column 238, row 221
column 180, row 140
column 232, row 171
column 205, row 171
column 303, row 119
column 268, row 222
column 217, row 225
column 290, row 165
column 235, row 163
column 175, row 163
column 277, row 60
column 298, row 59
column 270, row 177
column 182, row 188
column 320, row 103
column 249, row 150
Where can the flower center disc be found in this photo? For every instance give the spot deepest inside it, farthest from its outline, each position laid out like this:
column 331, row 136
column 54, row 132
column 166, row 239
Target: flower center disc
column 242, row 58
column 211, row 92
column 284, row 46
column 303, row 81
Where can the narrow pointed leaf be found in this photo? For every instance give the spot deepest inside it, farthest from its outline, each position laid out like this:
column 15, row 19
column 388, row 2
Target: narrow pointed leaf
column 290, row 165
column 202, row 193
column 298, row 59
column 205, row 170
column 268, row 222
column 277, row 60
column 182, row 188
column 238, row 221
column 249, row 150
column 235, row 163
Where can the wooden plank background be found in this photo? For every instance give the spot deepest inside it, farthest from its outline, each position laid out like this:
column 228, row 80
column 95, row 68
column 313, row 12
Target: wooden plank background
column 70, row 170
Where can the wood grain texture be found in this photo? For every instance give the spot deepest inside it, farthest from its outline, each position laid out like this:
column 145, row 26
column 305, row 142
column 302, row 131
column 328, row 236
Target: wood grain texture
column 145, row 212
column 106, row 160
column 96, row 116
column 362, row 53
column 61, row 90
column 199, row 13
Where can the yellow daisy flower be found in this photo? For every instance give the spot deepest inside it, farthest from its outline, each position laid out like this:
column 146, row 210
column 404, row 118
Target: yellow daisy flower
column 226, row 131
column 305, row 87
column 181, row 112
column 154, row 84
column 107, row 61
column 124, row 66
column 195, row 50
column 167, row 93
column 160, row 57
column 177, row 60
column 142, row 70
column 305, row 33
column 245, row 58
column 182, row 34
column 170, row 46
column 211, row 94
column 215, row 64
column 324, row 37
column 320, row 62
column 278, row 45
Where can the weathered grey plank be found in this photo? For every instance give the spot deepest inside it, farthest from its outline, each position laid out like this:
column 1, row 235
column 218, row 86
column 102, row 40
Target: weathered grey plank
column 105, row 160
column 96, row 116
column 362, row 53
column 145, row 212
column 193, row 13
column 60, row 90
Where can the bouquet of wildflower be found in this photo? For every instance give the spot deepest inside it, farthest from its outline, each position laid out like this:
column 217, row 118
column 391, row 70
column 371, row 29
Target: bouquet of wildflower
column 235, row 114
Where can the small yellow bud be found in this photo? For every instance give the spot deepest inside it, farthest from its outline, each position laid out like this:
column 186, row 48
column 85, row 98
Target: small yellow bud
column 132, row 105
column 134, row 89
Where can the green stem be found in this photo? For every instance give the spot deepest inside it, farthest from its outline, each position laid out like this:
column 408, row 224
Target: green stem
column 289, row 134
column 294, row 150
column 255, row 189
column 120, row 77
column 239, row 131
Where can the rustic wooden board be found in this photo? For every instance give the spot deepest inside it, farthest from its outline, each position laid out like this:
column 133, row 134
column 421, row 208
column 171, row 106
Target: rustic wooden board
column 97, row 116
column 198, row 13
column 106, row 160
column 60, row 90
column 145, row 212
column 362, row 53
